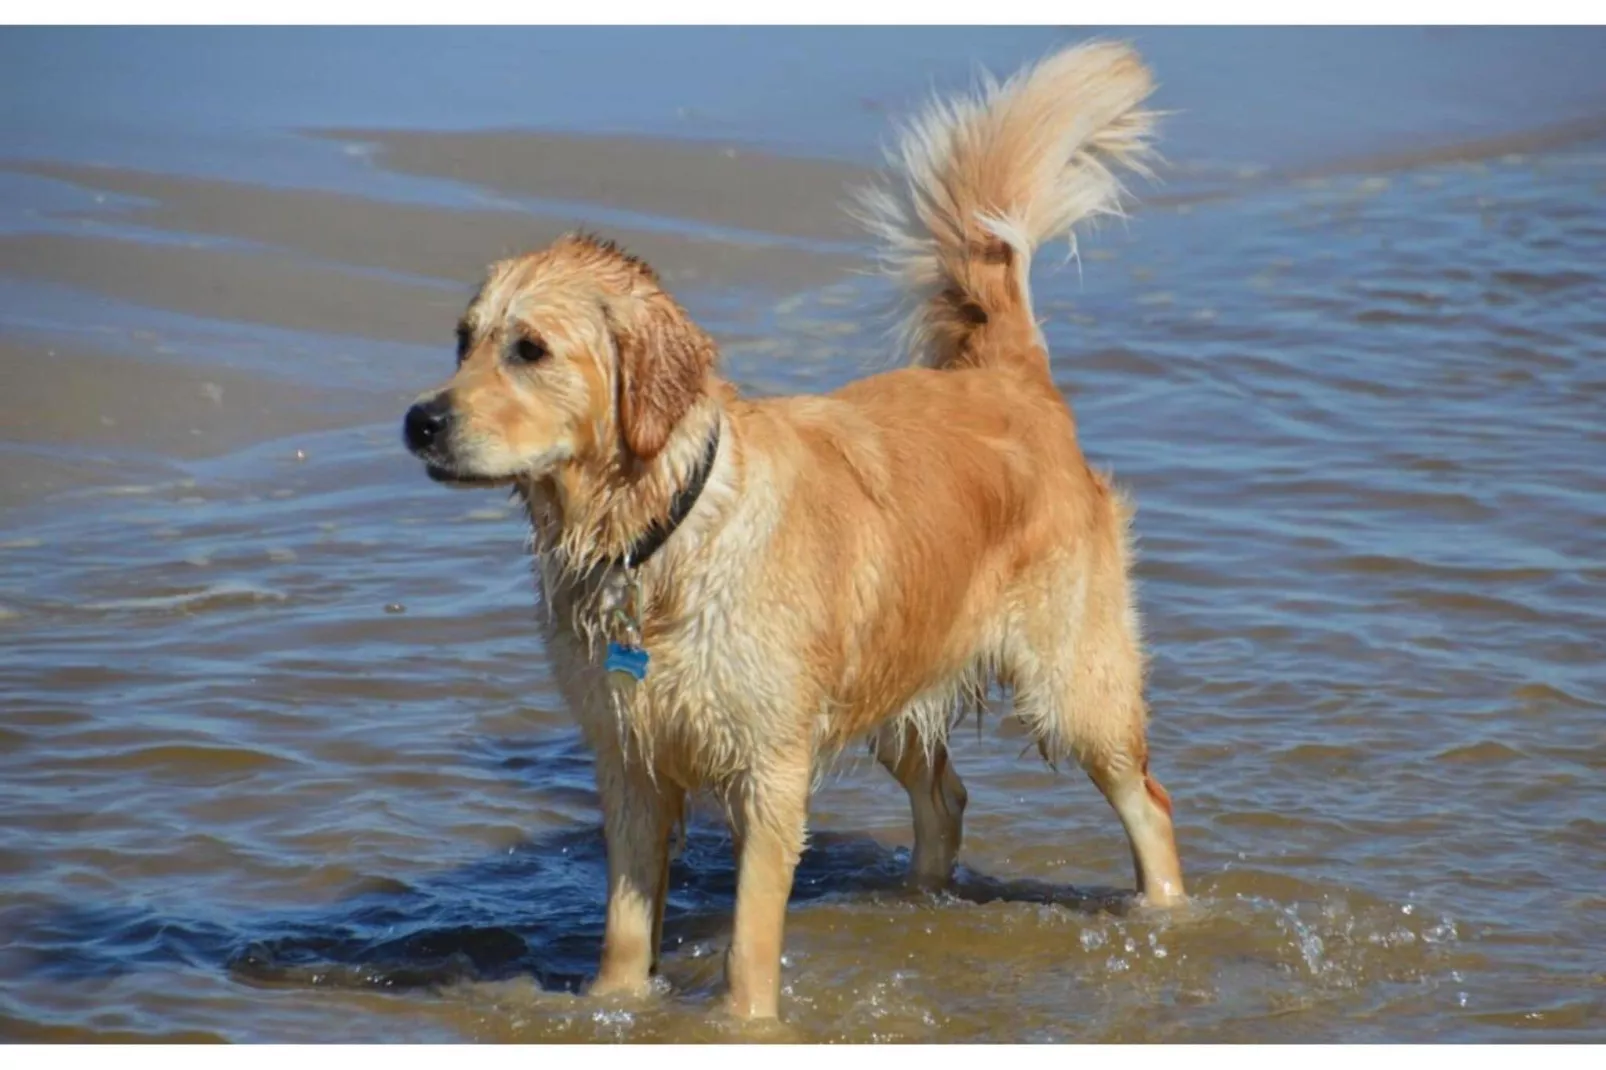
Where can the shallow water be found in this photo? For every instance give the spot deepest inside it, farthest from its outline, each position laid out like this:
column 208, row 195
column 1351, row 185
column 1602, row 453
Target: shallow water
column 280, row 759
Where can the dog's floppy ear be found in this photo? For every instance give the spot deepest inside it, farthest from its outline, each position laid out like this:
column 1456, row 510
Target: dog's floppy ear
column 664, row 360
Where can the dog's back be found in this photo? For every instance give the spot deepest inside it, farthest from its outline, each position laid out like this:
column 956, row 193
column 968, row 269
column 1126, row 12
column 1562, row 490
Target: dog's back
column 971, row 538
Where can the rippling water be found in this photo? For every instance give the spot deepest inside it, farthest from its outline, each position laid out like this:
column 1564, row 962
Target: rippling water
column 280, row 758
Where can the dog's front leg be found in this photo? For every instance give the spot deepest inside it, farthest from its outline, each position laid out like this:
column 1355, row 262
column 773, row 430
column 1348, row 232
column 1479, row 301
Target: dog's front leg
column 770, row 816
column 638, row 817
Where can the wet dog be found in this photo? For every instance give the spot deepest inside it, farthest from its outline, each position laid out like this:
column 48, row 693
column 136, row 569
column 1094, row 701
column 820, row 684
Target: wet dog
column 738, row 587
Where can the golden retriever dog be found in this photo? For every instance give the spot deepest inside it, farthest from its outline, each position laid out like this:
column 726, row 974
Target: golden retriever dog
column 737, row 588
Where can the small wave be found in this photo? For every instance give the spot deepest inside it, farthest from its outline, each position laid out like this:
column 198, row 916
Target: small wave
column 1263, row 819
column 187, row 758
column 1370, row 317
column 1471, row 604
column 1403, row 564
column 132, row 490
column 1543, row 281
column 1325, row 754
column 215, row 596
column 24, row 1032
column 1542, row 695
column 1484, row 751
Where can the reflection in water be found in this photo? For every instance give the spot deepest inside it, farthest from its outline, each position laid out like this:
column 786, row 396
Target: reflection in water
column 458, row 926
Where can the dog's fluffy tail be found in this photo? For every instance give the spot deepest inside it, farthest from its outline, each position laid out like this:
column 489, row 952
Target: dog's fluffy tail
column 978, row 181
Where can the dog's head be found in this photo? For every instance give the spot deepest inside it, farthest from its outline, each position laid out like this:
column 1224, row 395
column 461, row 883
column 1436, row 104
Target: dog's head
column 574, row 354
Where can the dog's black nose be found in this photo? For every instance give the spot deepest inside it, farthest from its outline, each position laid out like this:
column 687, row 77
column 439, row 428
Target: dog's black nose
column 426, row 423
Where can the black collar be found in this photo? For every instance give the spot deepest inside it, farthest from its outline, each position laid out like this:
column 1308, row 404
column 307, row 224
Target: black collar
column 653, row 539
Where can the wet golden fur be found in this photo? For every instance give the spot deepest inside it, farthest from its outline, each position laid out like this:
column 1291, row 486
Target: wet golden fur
column 860, row 565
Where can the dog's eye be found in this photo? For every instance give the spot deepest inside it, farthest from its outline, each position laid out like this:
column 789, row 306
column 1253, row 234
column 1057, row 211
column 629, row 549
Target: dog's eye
column 528, row 351
column 465, row 338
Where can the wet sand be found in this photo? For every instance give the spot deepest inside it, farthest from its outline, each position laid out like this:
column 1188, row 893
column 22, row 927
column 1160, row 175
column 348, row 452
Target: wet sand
column 453, row 247
column 326, row 264
column 721, row 184
column 116, row 414
column 280, row 758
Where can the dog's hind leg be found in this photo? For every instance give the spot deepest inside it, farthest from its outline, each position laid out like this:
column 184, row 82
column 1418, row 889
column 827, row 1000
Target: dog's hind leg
column 1114, row 753
column 937, row 800
column 1144, row 808
column 1080, row 690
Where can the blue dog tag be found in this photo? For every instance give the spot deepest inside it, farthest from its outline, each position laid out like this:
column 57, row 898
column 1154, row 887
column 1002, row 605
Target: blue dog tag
column 630, row 660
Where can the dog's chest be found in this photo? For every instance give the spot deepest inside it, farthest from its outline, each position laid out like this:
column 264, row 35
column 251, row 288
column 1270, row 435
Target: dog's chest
column 715, row 685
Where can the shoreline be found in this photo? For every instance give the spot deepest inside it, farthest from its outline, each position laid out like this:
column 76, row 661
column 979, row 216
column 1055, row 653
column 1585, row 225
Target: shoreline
column 338, row 268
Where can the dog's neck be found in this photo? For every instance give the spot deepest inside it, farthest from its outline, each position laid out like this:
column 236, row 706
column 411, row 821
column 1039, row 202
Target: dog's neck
column 590, row 516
